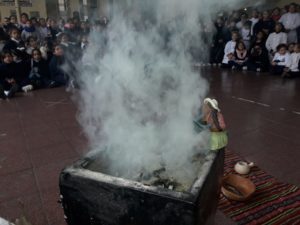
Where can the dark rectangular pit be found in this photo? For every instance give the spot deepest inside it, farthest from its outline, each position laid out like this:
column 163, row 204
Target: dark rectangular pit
column 94, row 198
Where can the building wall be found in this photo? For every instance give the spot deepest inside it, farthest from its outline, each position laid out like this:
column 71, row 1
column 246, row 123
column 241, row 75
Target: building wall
column 38, row 6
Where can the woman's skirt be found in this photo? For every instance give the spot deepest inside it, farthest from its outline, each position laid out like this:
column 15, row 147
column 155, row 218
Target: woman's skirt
column 218, row 140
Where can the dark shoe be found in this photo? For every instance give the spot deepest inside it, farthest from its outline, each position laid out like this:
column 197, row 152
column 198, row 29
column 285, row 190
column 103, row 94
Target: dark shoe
column 13, row 91
column 2, row 94
column 52, row 84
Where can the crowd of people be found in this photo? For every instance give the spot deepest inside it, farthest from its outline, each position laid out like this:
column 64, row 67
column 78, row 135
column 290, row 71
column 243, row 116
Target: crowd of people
column 267, row 41
column 34, row 51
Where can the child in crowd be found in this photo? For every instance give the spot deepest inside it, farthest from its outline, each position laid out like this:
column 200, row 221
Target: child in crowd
column 259, row 40
column 219, row 40
column 276, row 38
column 291, row 47
column 280, row 60
column 31, row 44
column 246, row 34
column 240, row 56
column 57, row 74
column 258, row 59
column 29, row 31
column 275, row 15
column 293, row 69
column 39, row 72
column 15, row 41
column 8, row 76
column 229, row 50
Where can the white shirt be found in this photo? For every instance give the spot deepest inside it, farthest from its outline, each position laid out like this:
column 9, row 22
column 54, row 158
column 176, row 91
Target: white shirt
column 253, row 22
column 229, row 48
column 44, row 31
column 275, row 39
column 245, row 34
column 290, row 20
column 293, row 63
column 282, row 60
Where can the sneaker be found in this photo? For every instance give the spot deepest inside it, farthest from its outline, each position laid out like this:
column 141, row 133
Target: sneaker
column 214, row 64
column 2, row 94
column 13, row 91
column 258, row 69
column 245, row 68
column 233, row 67
column 219, row 64
column 27, row 88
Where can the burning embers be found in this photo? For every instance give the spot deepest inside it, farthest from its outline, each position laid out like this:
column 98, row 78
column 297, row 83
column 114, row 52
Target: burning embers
column 158, row 175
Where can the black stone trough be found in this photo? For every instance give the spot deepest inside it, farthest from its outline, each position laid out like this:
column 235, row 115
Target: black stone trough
column 95, row 198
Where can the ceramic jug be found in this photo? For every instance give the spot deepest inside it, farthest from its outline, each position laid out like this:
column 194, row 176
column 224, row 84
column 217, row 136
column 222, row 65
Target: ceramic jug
column 242, row 167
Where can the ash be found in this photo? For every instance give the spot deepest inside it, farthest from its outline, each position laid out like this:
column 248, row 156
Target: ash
column 158, row 177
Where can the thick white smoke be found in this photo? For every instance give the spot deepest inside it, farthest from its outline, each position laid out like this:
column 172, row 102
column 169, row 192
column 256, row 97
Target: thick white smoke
column 139, row 89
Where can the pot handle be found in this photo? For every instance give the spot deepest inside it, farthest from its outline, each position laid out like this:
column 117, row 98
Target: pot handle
column 251, row 164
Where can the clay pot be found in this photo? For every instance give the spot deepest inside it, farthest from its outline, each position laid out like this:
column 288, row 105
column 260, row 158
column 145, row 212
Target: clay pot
column 237, row 188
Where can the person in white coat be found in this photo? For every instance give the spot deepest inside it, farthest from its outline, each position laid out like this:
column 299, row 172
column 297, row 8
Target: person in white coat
column 281, row 60
column 229, row 50
column 276, row 38
column 293, row 64
column 291, row 21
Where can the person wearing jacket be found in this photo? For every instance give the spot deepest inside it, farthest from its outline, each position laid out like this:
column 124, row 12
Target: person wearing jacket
column 8, row 76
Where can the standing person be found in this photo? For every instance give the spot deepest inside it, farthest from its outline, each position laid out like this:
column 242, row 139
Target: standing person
column 244, row 19
column 276, row 15
column 281, row 60
column 291, row 21
column 276, row 38
column 254, row 20
column 266, row 24
column 8, row 76
column 246, row 34
column 219, row 40
column 229, row 50
column 213, row 117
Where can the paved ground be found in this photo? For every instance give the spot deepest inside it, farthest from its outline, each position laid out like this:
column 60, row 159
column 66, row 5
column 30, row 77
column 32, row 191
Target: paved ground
column 39, row 135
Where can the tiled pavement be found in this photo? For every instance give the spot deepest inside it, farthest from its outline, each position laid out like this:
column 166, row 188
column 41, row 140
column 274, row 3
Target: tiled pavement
column 39, row 135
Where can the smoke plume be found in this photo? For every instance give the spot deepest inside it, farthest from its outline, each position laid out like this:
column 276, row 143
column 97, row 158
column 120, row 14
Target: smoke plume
column 139, row 91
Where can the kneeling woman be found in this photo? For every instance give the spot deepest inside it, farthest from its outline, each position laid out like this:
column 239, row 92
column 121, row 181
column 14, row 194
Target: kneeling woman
column 214, row 119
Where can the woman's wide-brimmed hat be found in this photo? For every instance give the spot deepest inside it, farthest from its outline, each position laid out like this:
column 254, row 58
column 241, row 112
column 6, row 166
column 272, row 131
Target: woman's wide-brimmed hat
column 213, row 103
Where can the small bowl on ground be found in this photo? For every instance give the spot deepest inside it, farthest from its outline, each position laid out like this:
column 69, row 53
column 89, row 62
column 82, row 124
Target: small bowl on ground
column 237, row 188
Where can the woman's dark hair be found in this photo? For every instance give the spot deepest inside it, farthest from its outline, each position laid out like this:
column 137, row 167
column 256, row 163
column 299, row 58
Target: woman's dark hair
column 30, row 38
column 4, row 53
column 280, row 24
column 12, row 29
column 281, row 46
column 238, row 43
column 36, row 50
column 25, row 14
